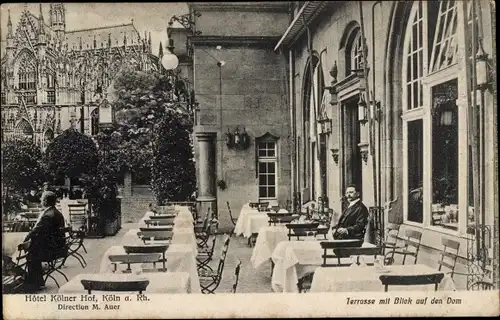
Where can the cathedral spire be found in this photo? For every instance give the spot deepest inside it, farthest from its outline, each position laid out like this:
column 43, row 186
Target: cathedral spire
column 41, row 23
column 9, row 27
column 160, row 52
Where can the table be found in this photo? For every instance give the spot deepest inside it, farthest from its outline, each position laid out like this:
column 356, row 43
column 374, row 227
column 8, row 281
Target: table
column 366, row 279
column 294, row 259
column 267, row 240
column 254, row 224
column 159, row 282
column 242, row 224
column 180, row 258
column 10, row 241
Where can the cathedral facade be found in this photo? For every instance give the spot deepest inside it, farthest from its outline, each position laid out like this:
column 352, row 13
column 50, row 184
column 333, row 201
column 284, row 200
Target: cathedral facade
column 53, row 78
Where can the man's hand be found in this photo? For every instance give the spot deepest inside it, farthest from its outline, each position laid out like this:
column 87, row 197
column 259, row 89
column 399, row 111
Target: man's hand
column 342, row 231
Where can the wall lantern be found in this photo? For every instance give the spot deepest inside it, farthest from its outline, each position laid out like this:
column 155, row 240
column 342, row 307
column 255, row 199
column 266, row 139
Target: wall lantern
column 362, row 116
column 237, row 140
column 325, row 125
column 446, row 118
column 482, row 69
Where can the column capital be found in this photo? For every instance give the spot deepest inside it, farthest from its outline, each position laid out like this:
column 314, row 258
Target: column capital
column 205, row 136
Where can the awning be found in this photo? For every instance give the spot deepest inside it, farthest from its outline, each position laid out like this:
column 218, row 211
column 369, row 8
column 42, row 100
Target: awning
column 309, row 11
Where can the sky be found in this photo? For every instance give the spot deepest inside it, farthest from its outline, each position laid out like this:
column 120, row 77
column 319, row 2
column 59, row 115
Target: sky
column 150, row 17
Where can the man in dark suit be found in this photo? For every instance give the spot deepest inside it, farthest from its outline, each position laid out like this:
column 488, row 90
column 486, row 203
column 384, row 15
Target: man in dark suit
column 47, row 240
column 352, row 223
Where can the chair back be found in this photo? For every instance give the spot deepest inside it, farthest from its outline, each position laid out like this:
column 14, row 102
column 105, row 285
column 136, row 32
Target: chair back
column 126, row 285
column 77, row 216
column 156, row 235
column 236, row 276
column 449, row 255
column 340, row 247
column 233, row 220
column 262, row 206
column 377, row 225
column 412, row 240
column 411, row 280
column 222, row 260
column 158, row 222
column 301, row 229
column 159, row 228
column 253, row 204
column 145, row 249
column 135, row 258
column 162, row 217
column 392, row 233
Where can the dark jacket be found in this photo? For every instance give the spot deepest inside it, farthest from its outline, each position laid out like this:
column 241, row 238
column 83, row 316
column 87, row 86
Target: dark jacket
column 47, row 237
column 354, row 219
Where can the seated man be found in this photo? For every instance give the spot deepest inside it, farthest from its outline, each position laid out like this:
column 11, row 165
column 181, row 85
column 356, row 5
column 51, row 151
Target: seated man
column 32, row 198
column 352, row 223
column 47, row 240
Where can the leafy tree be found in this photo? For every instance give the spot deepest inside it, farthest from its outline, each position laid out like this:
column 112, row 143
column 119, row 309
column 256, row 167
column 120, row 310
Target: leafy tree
column 141, row 100
column 172, row 168
column 22, row 170
column 71, row 154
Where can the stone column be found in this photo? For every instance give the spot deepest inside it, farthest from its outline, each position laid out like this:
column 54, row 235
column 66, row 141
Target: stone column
column 206, row 172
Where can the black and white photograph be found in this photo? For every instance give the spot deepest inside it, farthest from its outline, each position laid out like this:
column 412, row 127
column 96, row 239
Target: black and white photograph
column 249, row 159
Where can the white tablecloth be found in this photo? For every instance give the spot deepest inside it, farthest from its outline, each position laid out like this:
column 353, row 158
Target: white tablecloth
column 350, row 279
column 242, row 224
column 180, row 236
column 10, row 241
column 180, row 258
column 267, row 240
column 255, row 223
column 293, row 259
column 159, row 282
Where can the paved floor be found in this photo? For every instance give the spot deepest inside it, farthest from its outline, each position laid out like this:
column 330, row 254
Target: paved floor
column 251, row 281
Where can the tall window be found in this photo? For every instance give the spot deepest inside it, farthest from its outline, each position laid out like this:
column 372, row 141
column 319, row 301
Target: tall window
column 431, row 117
column 267, row 169
column 354, row 52
column 26, row 77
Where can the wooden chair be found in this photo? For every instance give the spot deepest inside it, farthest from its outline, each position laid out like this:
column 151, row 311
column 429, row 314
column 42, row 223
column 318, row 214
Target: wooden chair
column 275, row 218
column 158, row 235
column 412, row 239
column 413, row 280
column 389, row 243
column 52, row 264
column 205, row 255
column 74, row 242
column 127, row 285
column 150, row 249
column 130, row 259
column 210, row 279
column 78, row 217
column 263, row 206
column 233, row 220
column 236, row 276
column 449, row 259
column 301, row 229
column 343, row 249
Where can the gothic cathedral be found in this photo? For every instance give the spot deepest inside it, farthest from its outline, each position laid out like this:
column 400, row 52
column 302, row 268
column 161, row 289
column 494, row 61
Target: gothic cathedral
column 53, row 79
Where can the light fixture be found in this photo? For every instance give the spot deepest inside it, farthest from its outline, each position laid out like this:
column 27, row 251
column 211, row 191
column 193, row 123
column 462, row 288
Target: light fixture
column 362, row 117
column 325, row 125
column 446, row 117
column 170, row 60
column 237, row 140
column 482, row 68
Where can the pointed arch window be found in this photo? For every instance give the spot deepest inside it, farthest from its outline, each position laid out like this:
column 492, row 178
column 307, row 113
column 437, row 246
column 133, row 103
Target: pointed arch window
column 354, row 52
column 27, row 76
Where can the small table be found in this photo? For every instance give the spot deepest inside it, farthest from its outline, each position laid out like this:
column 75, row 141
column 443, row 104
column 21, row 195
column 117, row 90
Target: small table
column 366, row 279
column 159, row 282
column 269, row 237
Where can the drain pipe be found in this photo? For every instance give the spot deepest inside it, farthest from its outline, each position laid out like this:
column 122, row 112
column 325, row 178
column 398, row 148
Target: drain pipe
column 376, row 110
column 291, row 101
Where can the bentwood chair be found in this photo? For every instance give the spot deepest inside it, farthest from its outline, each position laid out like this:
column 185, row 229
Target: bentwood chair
column 236, row 276
column 122, row 286
column 389, row 244
column 233, row 219
column 412, row 241
column 449, row 255
column 412, row 280
column 146, row 249
column 210, row 279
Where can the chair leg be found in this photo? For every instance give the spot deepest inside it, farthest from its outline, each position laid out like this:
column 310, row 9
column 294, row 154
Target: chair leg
column 84, row 249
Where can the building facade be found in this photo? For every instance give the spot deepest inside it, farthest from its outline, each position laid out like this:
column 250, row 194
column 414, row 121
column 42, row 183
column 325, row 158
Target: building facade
column 381, row 97
column 53, row 78
column 241, row 132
